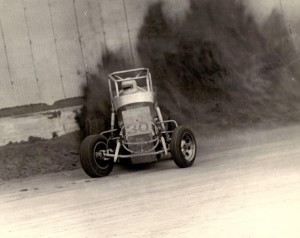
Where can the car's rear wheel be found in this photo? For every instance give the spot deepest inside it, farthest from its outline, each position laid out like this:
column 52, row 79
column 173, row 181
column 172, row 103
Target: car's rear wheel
column 183, row 147
column 171, row 125
column 93, row 162
column 93, row 126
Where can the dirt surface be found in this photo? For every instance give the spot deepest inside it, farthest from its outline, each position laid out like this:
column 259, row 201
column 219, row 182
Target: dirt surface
column 243, row 184
column 37, row 156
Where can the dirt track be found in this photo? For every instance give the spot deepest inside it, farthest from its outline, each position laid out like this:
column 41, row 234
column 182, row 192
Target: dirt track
column 244, row 184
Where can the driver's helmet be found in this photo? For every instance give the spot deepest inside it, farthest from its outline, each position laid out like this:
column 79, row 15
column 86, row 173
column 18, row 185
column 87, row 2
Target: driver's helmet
column 128, row 87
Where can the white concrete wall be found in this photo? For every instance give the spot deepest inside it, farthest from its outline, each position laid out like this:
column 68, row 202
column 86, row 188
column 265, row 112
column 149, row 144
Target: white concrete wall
column 48, row 46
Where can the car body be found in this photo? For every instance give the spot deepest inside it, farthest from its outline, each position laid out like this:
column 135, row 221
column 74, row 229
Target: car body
column 137, row 131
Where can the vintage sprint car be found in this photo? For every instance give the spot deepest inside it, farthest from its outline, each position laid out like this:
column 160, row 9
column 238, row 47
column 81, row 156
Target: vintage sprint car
column 138, row 132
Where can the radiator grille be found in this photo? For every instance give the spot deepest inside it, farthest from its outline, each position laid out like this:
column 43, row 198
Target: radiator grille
column 142, row 147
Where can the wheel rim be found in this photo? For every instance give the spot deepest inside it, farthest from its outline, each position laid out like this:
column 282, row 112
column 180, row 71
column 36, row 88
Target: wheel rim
column 188, row 146
column 100, row 160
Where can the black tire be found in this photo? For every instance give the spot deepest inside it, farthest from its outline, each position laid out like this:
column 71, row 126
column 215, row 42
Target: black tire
column 173, row 116
column 183, row 147
column 93, row 165
column 93, row 126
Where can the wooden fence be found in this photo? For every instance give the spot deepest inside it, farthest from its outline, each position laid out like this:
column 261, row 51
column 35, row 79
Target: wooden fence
column 48, row 46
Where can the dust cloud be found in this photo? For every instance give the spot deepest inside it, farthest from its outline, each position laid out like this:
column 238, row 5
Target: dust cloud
column 216, row 65
column 95, row 113
column 228, row 68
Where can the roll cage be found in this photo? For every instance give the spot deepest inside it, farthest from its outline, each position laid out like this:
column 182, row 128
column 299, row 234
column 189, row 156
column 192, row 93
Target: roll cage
column 140, row 75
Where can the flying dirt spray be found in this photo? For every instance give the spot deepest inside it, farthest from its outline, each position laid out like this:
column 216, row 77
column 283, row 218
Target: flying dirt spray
column 215, row 65
column 95, row 113
column 220, row 59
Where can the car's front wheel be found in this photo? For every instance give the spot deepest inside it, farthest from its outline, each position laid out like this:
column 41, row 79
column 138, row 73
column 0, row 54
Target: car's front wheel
column 93, row 162
column 183, row 147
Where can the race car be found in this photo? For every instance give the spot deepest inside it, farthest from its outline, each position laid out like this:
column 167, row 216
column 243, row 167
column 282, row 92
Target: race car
column 137, row 130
